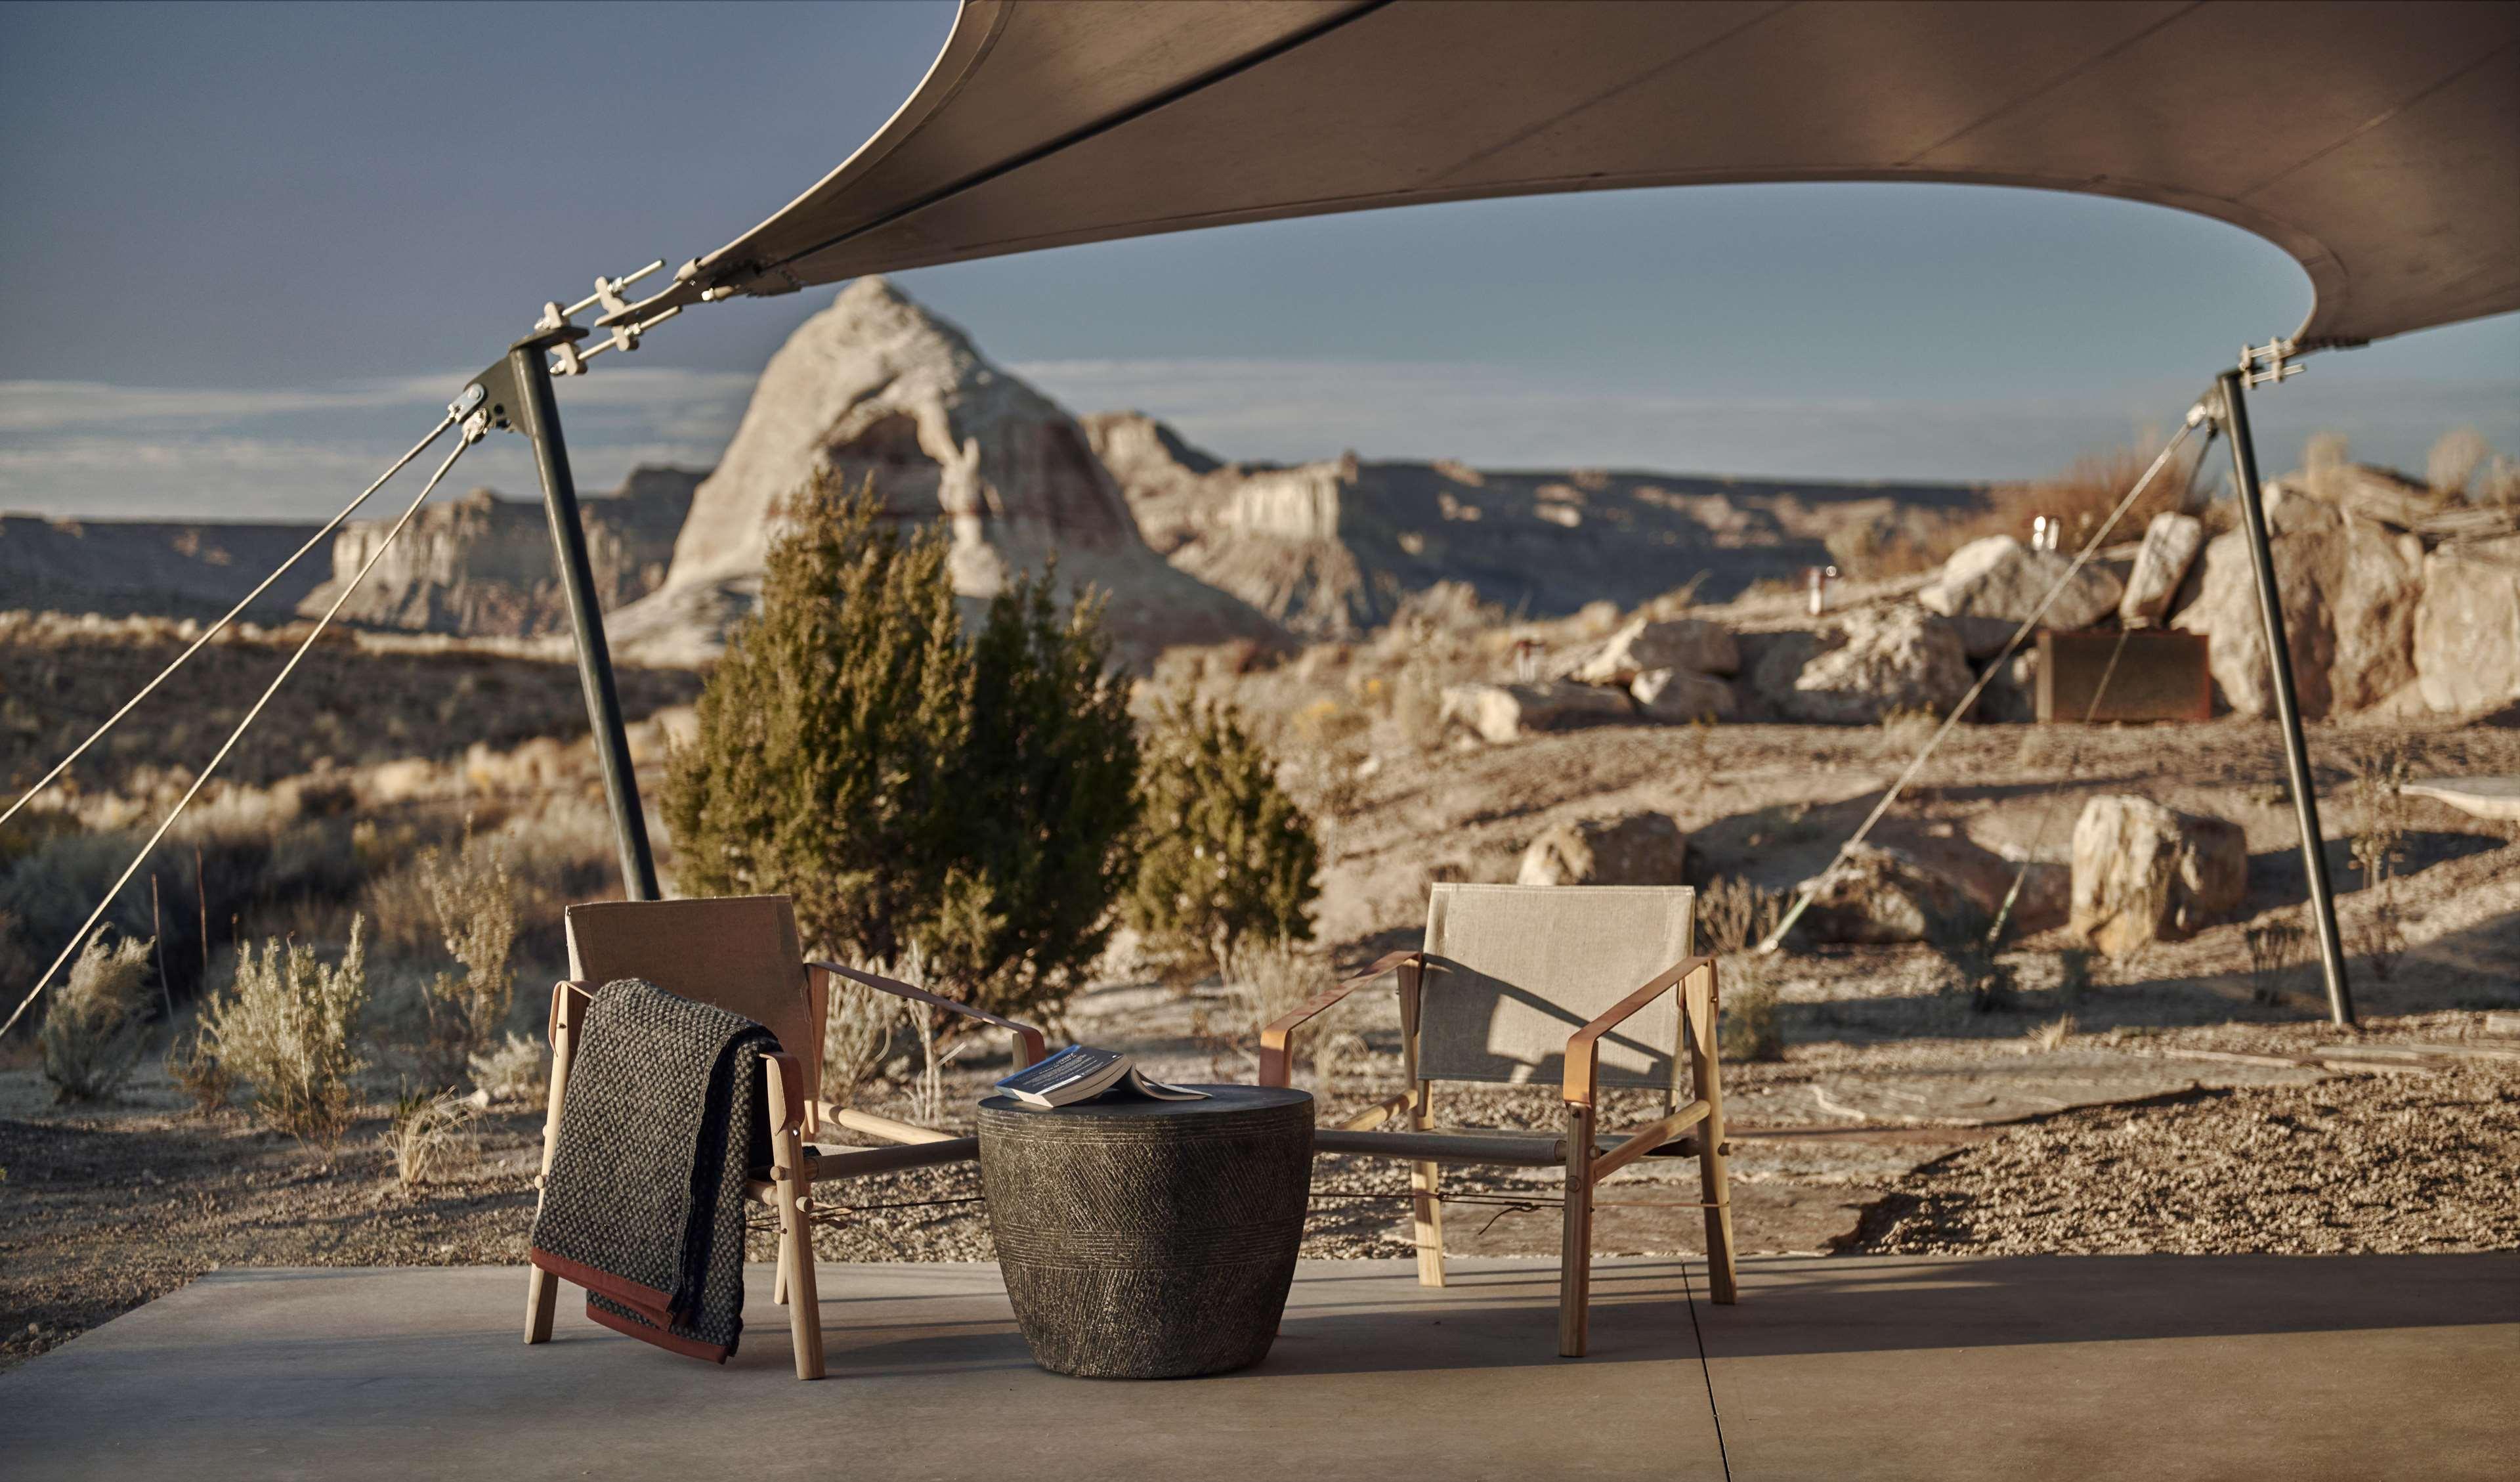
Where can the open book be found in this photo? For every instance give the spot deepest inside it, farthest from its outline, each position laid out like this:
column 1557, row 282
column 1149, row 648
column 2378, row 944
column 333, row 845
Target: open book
column 1080, row 1073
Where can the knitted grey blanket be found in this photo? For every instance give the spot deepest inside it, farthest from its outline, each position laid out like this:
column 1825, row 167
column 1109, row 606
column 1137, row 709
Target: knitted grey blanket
column 661, row 1121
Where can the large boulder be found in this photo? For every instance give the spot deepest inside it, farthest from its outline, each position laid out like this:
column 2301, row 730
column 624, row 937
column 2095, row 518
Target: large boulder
column 1879, row 895
column 1676, row 697
column 876, row 390
column 1874, row 664
column 1693, row 644
column 2170, row 547
column 2144, row 872
column 2348, row 590
column 1999, row 576
column 1634, row 848
column 2468, row 625
column 1505, row 712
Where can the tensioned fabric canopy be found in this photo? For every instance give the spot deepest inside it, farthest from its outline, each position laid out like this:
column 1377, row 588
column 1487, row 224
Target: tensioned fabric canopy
column 2377, row 143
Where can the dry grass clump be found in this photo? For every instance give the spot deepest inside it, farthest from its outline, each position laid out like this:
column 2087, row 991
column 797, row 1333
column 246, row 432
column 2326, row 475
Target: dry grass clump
column 284, row 1030
column 2051, row 1037
column 857, row 1037
column 95, row 1022
column 1268, row 981
column 1733, row 916
column 2274, row 945
column 1749, row 1023
column 515, row 1069
column 424, row 1136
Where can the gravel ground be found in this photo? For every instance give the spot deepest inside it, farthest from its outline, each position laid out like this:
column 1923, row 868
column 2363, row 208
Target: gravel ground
column 2390, row 1164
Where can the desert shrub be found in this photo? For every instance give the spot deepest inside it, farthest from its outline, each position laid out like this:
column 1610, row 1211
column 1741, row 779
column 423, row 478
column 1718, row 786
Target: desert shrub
column 1229, row 855
column 515, row 1069
column 193, row 1064
column 1270, row 978
column 2081, row 497
column 905, row 788
column 1749, row 1023
column 422, row 1136
column 2274, row 945
column 95, row 1021
column 283, row 1031
column 2051, row 1035
column 1734, row 915
column 857, row 1037
column 2454, row 458
column 2377, row 771
column 474, row 902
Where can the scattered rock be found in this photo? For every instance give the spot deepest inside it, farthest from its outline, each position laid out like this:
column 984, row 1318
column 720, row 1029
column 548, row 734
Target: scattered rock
column 2170, row 547
column 1637, row 848
column 1999, row 576
column 1504, row 712
column 2468, row 625
column 1693, row 644
column 1872, row 665
column 1877, row 895
column 2144, row 872
column 2349, row 591
column 1675, row 697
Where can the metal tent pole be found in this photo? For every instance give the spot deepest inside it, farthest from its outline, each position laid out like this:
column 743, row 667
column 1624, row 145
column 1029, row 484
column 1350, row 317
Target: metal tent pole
column 2305, row 802
column 537, row 414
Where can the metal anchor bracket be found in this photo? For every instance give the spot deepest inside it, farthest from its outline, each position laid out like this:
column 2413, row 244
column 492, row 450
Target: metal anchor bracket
column 2270, row 364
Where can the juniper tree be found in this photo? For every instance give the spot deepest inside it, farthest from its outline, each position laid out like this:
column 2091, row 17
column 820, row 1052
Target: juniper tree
column 1229, row 855
column 909, row 789
column 831, row 733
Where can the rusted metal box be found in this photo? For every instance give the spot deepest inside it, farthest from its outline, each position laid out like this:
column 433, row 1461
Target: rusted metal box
column 2159, row 674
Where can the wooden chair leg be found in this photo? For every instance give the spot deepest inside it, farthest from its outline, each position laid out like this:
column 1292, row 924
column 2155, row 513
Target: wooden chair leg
column 1713, row 1177
column 795, row 1235
column 1575, row 1254
column 542, row 1288
column 1426, row 1205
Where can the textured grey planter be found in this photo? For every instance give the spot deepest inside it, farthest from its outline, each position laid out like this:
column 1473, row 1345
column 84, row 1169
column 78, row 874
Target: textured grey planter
column 1150, row 1239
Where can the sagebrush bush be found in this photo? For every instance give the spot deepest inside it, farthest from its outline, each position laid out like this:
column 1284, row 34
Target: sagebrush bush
column 1734, row 915
column 857, row 1037
column 96, row 1019
column 515, row 1069
column 1749, row 1023
column 473, row 902
column 282, row 1031
column 1271, row 979
column 1229, row 856
column 906, row 788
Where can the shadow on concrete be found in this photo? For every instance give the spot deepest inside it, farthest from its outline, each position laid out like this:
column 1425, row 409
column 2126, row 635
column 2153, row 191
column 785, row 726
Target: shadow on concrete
column 1793, row 1305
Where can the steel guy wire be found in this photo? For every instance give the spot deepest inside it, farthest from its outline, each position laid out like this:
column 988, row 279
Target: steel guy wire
column 1811, row 888
column 215, row 628
column 250, row 715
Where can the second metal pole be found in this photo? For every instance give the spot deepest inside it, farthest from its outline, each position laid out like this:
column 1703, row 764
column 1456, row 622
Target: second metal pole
column 541, row 423
column 2304, row 801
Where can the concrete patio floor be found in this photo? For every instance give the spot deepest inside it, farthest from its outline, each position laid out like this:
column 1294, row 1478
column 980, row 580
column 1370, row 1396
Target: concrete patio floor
column 2054, row 1367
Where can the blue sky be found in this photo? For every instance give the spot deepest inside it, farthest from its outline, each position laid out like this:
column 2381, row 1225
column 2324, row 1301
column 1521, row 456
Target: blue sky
column 247, row 249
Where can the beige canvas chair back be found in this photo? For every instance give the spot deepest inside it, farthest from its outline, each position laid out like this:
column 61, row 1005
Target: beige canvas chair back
column 740, row 953
column 1512, row 970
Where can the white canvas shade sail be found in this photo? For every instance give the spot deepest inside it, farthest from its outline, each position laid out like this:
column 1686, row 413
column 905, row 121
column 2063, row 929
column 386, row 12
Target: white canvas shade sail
column 2376, row 143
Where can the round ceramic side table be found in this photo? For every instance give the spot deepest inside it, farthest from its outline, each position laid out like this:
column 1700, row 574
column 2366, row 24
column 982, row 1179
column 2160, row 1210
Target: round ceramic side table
column 1146, row 1239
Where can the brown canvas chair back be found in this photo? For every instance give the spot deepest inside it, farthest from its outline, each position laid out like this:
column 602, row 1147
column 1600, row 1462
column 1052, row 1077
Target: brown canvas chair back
column 740, row 953
column 1512, row 970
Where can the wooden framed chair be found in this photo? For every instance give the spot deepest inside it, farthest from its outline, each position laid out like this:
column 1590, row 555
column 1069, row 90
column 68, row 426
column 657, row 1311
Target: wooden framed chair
column 1583, row 985
column 741, row 954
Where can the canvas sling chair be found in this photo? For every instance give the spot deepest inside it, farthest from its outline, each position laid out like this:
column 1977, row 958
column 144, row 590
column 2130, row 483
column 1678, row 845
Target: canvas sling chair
column 741, row 954
column 1583, row 985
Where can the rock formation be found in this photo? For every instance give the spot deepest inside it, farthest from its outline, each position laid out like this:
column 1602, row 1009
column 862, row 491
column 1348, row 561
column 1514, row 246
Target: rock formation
column 1331, row 548
column 877, row 389
column 1633, row 849
column 483, row 564
column 1508, row 712
column 2144, row 872
column 2468, row 625
column 151, row 567
column 1871, row 663
column 1999, row 576
column 2349, row 588
column 2170, row 547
